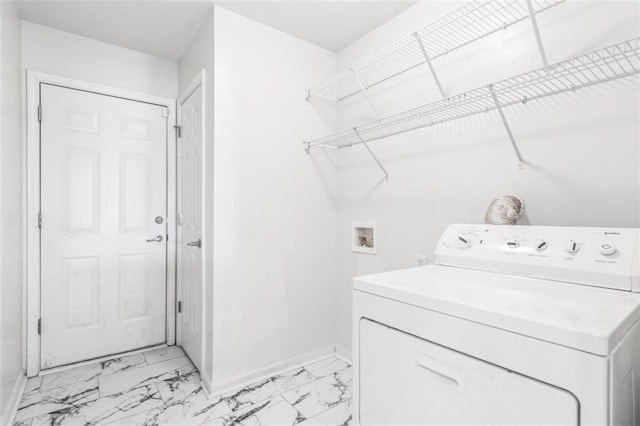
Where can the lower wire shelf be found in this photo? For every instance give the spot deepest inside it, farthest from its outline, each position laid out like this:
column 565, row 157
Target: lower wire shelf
column 608, row 63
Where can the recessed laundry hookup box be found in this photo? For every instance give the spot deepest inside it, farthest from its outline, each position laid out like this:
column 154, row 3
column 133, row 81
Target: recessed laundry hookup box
column 364, row 238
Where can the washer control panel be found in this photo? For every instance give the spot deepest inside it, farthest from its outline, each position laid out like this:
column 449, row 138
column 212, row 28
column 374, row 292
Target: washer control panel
column 602, row 257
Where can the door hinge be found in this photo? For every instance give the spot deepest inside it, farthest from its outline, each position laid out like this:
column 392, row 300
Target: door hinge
column 178, row 131
column 179, row 307
column 39, row 326
column 179, row 219
column 39, row 113
column 39, row 220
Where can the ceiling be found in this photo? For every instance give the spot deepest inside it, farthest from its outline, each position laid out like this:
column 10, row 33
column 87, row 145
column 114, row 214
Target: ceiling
column 165, row 28
column 159, row 28
column 330, row 24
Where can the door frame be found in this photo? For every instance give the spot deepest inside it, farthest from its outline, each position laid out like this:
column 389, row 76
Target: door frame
column 198, row 81
column 32, row 167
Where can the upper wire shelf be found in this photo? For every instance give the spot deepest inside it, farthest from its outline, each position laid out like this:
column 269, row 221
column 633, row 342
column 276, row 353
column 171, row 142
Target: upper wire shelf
column 598, row 66
column 459, row 28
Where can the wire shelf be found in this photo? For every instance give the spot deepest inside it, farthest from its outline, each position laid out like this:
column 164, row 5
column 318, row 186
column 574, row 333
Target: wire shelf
column 598, row 66
column 463, row 26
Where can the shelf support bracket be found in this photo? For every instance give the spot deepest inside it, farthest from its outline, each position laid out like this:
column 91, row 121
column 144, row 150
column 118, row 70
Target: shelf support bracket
column 536, row 30
column 365, row 92
column 506, row 126
column 386, row 175
column 428, row 61
column 375, row 111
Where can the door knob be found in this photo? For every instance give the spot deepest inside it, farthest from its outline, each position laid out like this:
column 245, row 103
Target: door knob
column 156, row 239
column 195, row 243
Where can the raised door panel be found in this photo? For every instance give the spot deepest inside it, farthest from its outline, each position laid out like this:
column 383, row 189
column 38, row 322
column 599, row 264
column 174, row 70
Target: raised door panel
column 81, row 291
column 134, row 287
column 135, row 192
column 81, row 191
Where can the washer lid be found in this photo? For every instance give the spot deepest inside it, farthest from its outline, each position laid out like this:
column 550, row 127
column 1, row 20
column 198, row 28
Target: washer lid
column 586, row 318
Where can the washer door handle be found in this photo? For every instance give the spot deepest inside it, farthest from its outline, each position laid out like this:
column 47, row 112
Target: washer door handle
column 439, row 371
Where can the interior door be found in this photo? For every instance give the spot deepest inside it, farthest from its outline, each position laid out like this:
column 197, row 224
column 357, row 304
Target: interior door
column 190, row 195
column 103, row 235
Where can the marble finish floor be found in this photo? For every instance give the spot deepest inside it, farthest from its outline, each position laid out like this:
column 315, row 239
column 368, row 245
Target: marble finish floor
column 161, row 387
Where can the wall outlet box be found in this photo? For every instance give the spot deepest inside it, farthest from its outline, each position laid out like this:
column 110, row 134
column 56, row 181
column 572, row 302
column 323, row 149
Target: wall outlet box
column 422, row 259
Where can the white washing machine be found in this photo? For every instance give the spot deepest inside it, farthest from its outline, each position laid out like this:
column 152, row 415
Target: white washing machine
column 513, row 325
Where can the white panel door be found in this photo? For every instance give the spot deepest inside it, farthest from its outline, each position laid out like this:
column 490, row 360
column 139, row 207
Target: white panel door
column 190, row 294
column 103, row 182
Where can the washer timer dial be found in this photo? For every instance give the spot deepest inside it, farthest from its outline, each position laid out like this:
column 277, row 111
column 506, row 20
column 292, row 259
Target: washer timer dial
column 513, row 244
column 465, row 240
column 541, row 245
column 607, row 249
column 573, row 247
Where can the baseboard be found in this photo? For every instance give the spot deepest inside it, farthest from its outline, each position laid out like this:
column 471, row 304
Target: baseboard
column 206, row 384
column 343, row 353
column 242, row 380
column 9, row 413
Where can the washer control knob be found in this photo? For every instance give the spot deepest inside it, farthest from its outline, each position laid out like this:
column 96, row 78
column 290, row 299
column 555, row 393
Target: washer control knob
column 573, row 247
column 542, row 245
column 465, row 240
column 607, row 249
column 513, row 244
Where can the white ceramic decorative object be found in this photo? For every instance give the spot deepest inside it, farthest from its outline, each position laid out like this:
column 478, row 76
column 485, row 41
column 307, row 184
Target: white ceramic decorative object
column 505, row 210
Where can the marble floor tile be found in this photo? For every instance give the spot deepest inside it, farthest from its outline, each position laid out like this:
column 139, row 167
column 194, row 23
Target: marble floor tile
column 33, row 384
column 184, row 403
column 193, row 410
column 113, row 407
column 276, row 411
column 340, row 415
column 120, row 382
column 183, row 391
column 163, row 354
column 86, row 373
column 65, row 398
column 345, row 376
column 47, row 420
column 326, row 366
column 105, row 410
column 268, row 388
column 180, row 383
column 165, row 389
column 318, row 396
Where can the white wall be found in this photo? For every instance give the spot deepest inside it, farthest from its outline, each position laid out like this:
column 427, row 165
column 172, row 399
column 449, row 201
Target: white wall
column 274, row 212
column 200, row 55
column 581, row 149
column 11, row 245
column 69, row 55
